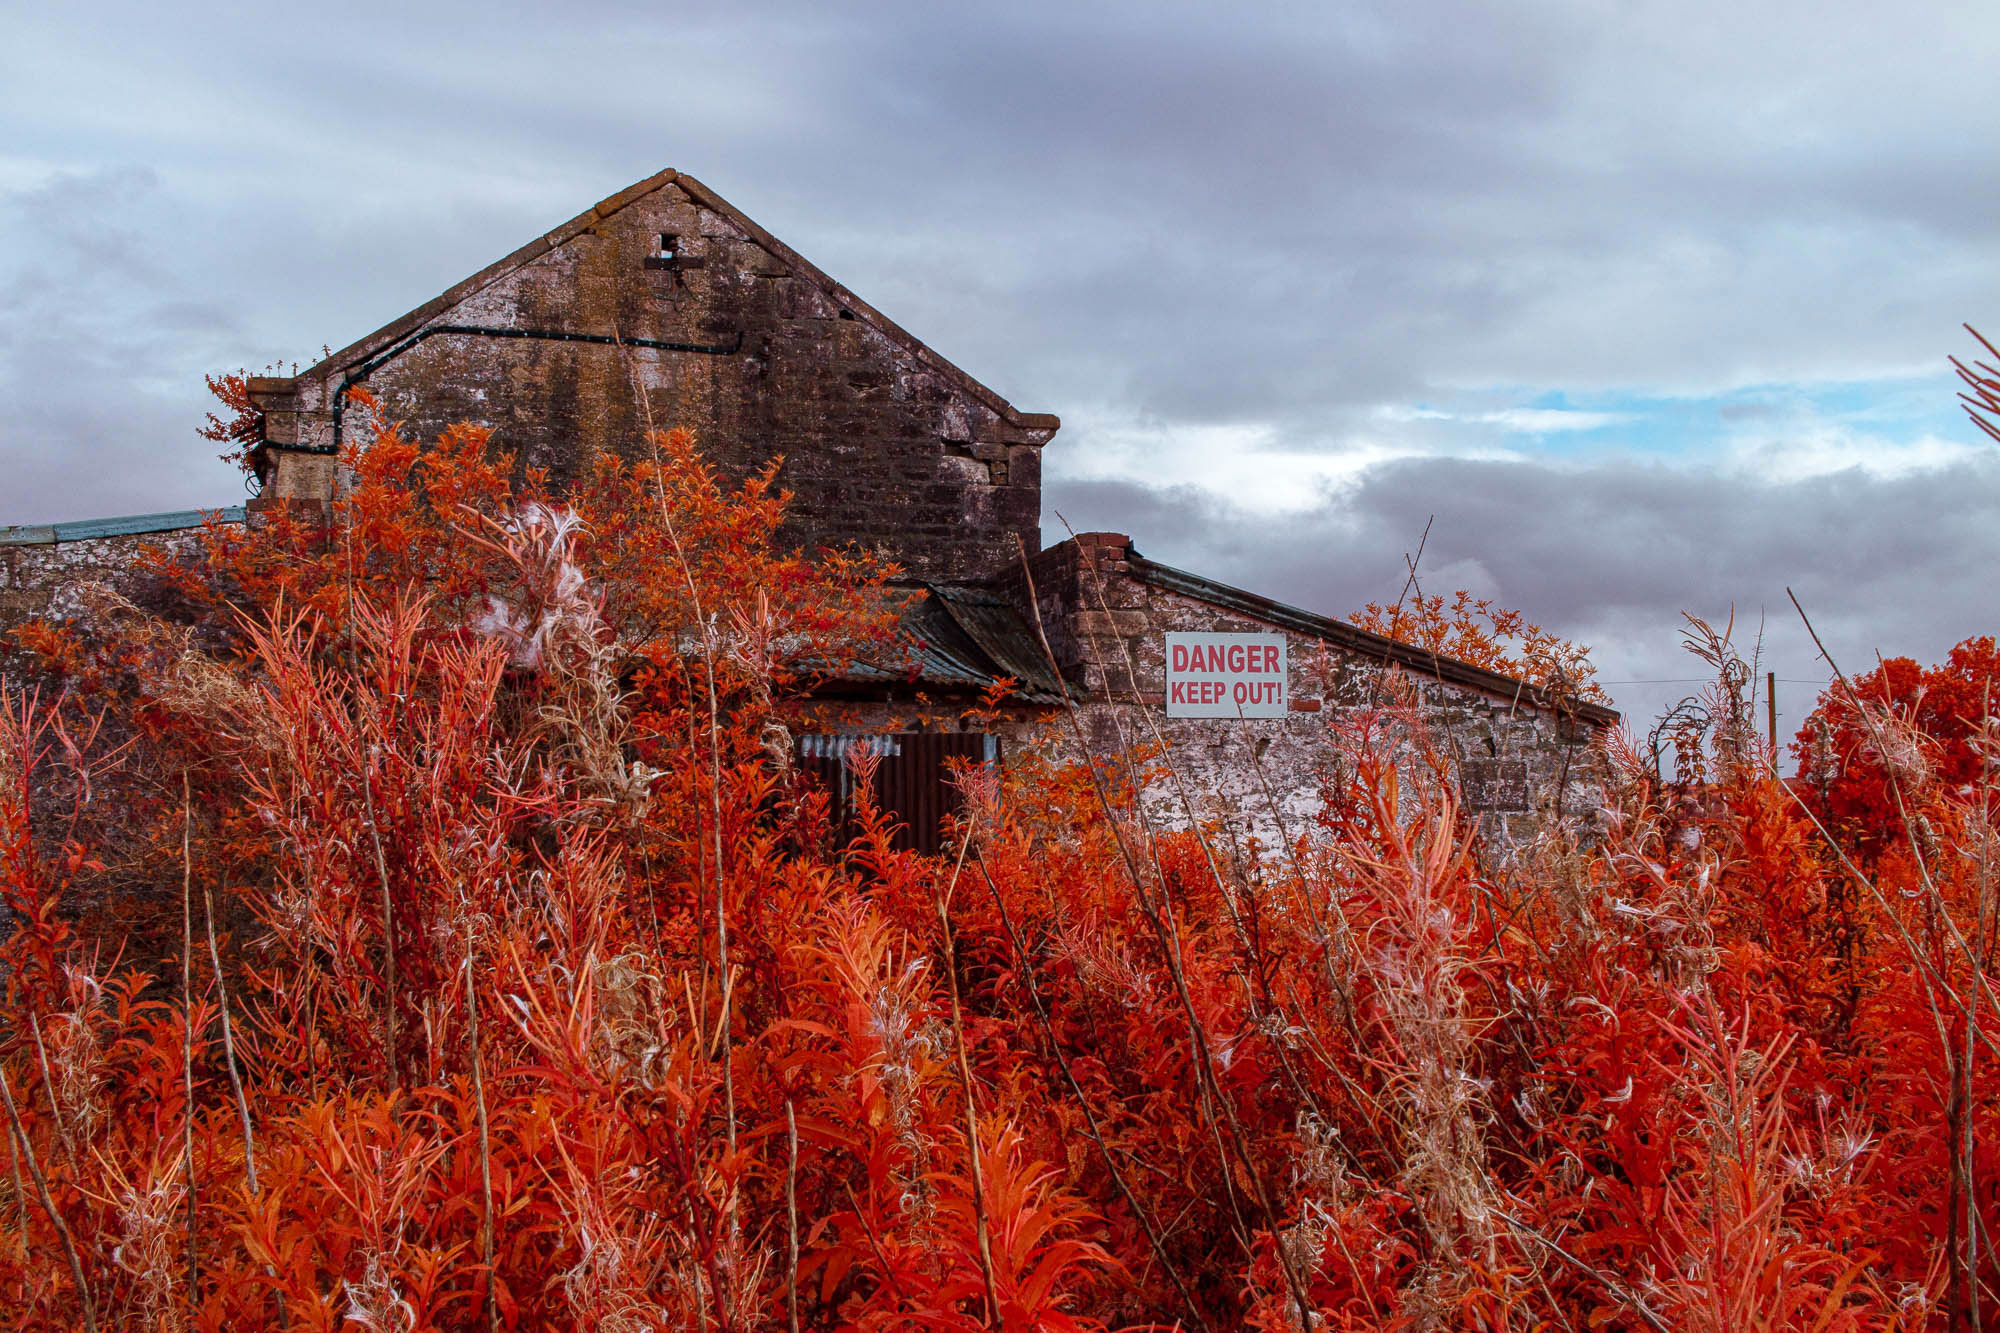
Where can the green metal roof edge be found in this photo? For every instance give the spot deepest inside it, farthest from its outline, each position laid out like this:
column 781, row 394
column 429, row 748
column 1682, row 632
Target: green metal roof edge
column 129, row 525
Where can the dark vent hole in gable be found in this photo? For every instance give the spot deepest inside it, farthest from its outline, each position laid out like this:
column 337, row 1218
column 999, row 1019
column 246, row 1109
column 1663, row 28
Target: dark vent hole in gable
column 671, row 257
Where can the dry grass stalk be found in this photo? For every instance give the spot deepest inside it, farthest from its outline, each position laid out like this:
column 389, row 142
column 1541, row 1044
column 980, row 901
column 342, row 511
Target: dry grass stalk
column 982, row 1239
column 229, row 1046
column 187, row 1042
column 1092, row 1128
column 486, row 1245
column 791, row 1219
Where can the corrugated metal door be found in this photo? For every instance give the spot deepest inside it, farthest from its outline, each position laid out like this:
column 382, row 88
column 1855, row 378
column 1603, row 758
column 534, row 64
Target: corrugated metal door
column 912, row 783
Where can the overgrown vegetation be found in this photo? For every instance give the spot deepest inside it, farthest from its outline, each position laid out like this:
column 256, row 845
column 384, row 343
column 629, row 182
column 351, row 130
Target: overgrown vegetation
column 422, row 930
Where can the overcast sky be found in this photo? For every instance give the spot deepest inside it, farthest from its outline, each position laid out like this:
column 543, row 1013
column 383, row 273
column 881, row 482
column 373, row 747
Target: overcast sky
column 1648, row 304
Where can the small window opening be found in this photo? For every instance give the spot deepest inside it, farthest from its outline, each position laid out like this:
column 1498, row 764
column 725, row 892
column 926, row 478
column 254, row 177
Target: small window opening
column 670, row 245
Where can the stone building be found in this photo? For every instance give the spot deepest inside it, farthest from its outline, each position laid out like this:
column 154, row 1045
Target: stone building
column 664, row 304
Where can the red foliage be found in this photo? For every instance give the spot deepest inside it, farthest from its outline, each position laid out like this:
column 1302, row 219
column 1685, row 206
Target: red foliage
column 241, row 432
column 1872, row 748
column 538, row 996
column 1476, row 631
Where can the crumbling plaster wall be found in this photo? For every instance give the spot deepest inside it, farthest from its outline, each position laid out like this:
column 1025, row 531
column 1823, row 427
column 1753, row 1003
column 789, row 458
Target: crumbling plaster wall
column 53, row 581
column 885, row 444
column 1517, row 764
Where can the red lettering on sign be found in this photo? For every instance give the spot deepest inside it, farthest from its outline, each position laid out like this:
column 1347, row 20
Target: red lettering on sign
column 1235, row 657
column 1180, row 657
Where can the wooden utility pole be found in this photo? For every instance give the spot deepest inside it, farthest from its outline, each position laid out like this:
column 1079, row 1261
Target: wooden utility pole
column 1771, row 711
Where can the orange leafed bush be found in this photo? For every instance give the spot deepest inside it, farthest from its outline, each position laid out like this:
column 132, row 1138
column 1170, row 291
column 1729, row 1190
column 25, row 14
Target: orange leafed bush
column 1475, row 631
column 420, row 932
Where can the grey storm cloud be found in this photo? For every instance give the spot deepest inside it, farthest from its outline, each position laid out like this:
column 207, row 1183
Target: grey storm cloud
column 1605, row 544
column 1612, row 554
column 1273, row 220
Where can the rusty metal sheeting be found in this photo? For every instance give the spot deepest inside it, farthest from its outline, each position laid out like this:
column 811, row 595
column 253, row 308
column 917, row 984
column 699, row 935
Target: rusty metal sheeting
column 912, row 781
column 961, row 640
column 1008, row 642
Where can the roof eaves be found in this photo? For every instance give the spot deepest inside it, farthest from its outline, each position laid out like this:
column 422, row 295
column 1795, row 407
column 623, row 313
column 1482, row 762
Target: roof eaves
column 1356, row 639
column 942, row 652
column 993, row 625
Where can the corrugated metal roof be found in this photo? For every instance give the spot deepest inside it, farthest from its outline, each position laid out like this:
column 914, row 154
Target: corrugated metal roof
column 963, row 640
column 1007, row 640
column 131, row 525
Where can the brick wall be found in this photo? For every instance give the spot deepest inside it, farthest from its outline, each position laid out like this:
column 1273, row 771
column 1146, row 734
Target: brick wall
column 885, row 443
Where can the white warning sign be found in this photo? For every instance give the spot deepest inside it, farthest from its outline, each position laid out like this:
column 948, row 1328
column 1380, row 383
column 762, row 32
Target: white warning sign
column 1226, row 675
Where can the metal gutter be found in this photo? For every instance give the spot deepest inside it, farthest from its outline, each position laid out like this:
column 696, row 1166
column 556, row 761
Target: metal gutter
column 374, row 363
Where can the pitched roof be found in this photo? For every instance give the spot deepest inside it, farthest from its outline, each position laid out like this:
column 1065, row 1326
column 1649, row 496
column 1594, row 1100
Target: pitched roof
column 801, row 268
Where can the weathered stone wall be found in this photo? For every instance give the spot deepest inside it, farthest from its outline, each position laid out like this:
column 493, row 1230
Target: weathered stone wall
column 1518, row 760
column 42, row 577
column 45, row 580
column 885, row 444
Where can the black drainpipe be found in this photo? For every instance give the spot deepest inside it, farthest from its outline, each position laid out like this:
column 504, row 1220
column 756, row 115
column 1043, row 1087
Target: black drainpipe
column 382, row 358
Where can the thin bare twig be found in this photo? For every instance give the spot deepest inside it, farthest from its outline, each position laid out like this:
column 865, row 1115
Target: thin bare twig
column 985, row 1244
column 1204, row 1061
column 708, row 632
column 49, row 1086
column 486, row 1245
column 1611, row 1284
column 229, row 1045
column 48, row 1203
column 1091, row 1129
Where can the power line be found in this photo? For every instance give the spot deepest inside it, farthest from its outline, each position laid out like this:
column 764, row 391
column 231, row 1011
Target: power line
column 1703, row 680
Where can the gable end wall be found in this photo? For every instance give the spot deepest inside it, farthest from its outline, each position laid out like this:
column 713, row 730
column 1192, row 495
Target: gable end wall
column 884, row 444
